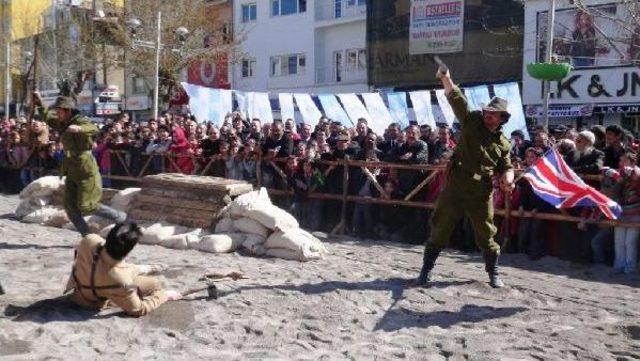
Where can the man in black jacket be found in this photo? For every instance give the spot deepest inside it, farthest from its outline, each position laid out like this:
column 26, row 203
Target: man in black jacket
column 614, row 149
column 391, row 148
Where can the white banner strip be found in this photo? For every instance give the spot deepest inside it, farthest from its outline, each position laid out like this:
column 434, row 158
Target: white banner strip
column 421, row 101
column 511, row 93
column 354, row 107
column 445, row 107
column 286, row 106
column 333, row 110
column 398, row 108
column 260, row 107
column 380, row 116
column 477, row 96
column 310, row 112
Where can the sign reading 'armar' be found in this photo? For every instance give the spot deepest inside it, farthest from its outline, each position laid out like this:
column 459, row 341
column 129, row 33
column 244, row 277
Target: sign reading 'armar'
column 436, row 26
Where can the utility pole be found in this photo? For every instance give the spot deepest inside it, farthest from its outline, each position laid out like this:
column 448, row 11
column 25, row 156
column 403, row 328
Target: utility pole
column 551, row 16
column 157, row 82
column 7, row 77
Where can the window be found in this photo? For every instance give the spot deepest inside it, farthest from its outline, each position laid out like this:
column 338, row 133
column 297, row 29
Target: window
column 139, row 85
column 248, row 68
column 356, row 59
column 293, row 64
column 249, row 12
column 356, row 2
column 288, row 7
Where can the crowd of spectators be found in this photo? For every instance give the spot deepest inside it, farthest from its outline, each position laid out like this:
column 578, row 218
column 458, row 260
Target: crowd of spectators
column 286, row 155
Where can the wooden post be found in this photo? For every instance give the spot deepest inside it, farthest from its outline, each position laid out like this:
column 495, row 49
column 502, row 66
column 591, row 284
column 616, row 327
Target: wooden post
column 507, row 219
column 342, row 225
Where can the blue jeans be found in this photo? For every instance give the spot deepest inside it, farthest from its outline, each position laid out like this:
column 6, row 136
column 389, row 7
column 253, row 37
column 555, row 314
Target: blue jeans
column 103, row 211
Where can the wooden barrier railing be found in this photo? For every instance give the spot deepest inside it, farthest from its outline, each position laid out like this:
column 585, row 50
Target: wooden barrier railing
column 430, row 171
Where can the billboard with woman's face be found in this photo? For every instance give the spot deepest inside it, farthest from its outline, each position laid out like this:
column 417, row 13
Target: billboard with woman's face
column 595, row 36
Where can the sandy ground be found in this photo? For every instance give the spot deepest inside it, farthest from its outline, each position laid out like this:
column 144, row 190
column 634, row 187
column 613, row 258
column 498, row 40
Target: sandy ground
column 353, row 305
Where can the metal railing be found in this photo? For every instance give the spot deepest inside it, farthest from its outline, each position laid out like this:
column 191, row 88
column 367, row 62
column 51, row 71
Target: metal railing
column 343, row 75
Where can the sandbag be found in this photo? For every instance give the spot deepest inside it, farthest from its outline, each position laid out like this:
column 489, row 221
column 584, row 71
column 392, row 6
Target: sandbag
column 305, row 245
column 180, row 241
column 242, row 203
column 123, row 200
column 224, row 225
column 254, row 244
column 251, row 226
column 25, row 207
column 42, row 187
column 272, row 217
column 44, row 214
column 285, row 254
column 155, row 233
column 58, row 220
column 220, row 243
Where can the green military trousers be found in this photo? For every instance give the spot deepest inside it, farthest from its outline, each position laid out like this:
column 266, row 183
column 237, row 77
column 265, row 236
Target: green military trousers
column 83, row 185
column 463, row 195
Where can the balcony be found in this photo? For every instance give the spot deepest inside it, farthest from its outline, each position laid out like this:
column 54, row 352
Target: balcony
column 346, row 75
column 330, row 11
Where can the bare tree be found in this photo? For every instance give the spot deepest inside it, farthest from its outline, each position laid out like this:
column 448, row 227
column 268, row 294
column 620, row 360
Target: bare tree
column 211, row 38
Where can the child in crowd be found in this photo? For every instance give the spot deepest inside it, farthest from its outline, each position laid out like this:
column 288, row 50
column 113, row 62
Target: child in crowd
column 306, row 179
column 232, row 163
column 626, row 239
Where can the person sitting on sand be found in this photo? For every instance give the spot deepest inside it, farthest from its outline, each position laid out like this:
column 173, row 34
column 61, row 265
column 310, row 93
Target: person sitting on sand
column 100, row 276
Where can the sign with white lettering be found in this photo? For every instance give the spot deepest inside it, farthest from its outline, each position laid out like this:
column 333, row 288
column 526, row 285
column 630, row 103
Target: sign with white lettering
column 560, row 111
column 107, row 108
column 436, row 26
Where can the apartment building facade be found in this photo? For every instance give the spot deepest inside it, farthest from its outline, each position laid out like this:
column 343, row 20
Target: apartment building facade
column 300, row 46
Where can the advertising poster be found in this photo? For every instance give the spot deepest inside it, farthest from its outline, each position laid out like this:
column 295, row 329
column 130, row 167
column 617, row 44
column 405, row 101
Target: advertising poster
column 436, row 26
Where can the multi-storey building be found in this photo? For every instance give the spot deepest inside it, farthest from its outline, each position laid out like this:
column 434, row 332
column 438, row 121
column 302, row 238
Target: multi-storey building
column 300, row 46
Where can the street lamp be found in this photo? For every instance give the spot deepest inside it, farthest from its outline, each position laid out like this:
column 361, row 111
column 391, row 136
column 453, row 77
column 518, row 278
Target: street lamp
column 181, row 33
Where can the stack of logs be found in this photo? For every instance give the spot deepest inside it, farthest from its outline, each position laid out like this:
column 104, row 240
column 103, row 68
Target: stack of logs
column 191, row 201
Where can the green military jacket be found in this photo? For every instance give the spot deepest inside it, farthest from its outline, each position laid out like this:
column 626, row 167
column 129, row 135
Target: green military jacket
column 72, row 142
column 479, row 153
column 83, row 183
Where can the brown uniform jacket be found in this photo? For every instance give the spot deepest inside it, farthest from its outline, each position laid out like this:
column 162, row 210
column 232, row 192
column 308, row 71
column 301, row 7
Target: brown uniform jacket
column 115, row 281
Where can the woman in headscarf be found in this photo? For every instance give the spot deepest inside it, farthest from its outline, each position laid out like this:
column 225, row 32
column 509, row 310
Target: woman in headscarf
column 181, row 151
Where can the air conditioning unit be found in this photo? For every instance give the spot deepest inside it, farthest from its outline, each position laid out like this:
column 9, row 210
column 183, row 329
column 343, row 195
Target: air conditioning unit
column 216, row 2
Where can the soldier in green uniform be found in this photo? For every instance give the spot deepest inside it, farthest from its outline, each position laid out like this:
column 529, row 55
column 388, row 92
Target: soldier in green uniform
column 83, row 184
column 482, row 153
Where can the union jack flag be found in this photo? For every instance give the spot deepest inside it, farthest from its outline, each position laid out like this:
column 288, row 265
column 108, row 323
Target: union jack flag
column 557, row 184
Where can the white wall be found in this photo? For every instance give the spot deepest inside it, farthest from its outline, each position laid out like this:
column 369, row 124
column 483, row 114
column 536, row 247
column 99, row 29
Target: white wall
column 297, row 33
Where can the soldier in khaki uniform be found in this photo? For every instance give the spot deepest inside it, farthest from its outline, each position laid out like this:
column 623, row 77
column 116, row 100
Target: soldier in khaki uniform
column 83, row 184
column 482, row 152
column 100, row 275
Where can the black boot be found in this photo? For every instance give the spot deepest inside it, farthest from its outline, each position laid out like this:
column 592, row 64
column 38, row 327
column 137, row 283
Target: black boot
column 1, row 289
column 428, row 261
column 491, row 266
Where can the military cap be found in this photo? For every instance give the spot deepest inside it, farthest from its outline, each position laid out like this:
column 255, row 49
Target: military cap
column 64, row 103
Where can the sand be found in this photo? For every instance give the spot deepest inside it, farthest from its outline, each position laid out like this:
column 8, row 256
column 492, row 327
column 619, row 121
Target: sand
column 353, row 305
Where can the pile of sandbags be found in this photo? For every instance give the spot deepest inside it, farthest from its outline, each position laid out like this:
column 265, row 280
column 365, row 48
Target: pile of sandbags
column 269, row 230
column 38, row 202
column 181, row 218
column 191, row 201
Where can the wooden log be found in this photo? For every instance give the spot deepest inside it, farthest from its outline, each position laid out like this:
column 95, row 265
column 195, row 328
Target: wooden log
column 181, row 203
column 205, row 183
column 141, row 215
column 180, row 195
column 175, row 211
